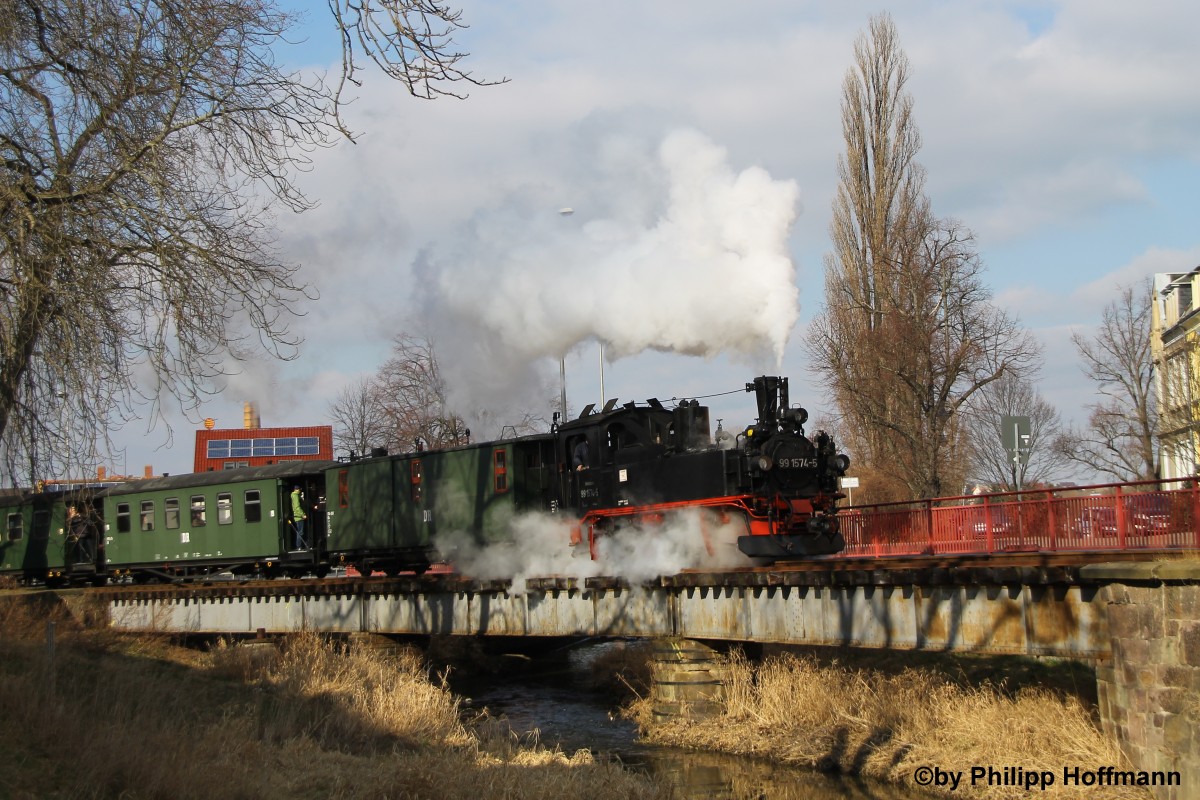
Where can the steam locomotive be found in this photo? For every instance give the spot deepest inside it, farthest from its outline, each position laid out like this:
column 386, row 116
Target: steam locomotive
column 609, row 469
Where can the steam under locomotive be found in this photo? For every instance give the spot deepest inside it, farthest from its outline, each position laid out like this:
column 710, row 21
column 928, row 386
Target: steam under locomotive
column 610, row 468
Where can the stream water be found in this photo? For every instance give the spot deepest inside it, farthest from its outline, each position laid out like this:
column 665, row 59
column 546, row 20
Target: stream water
column 555, row 705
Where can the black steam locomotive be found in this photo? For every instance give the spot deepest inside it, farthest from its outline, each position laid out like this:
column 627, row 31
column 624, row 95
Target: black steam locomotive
column 634, row 462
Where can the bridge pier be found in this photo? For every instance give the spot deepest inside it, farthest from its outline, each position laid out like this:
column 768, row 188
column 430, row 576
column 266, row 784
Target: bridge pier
column 1149, row 689
column 688, row 680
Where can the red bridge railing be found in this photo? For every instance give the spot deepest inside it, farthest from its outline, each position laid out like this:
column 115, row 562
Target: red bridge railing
column 1146, row 515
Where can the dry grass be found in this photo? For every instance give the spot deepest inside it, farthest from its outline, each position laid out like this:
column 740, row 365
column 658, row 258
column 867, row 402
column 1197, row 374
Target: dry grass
column 794, row 710
column 113, row 716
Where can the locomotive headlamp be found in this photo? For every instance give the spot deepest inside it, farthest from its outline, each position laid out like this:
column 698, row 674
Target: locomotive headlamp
column 765, row 463
column 842, row 461
column 798, row 415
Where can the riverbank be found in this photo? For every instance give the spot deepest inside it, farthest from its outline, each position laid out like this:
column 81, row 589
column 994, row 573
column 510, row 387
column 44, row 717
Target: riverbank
column 917, row 726
column 102, row 715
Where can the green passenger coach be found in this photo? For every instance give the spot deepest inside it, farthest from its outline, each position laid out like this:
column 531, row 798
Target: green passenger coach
column 52, row 536
column 238, row 520
column 385, row 512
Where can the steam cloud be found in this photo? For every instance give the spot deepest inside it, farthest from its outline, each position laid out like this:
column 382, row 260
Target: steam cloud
column 538, row 547
column 668, row 249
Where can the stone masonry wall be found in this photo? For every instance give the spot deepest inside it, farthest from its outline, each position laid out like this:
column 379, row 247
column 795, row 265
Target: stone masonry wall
column 1150, row 689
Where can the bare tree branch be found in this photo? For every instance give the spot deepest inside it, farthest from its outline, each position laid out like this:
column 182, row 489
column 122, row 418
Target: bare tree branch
column 1119, row 439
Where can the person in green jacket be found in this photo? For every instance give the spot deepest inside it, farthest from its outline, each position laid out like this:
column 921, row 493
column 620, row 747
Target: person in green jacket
column 298, row 517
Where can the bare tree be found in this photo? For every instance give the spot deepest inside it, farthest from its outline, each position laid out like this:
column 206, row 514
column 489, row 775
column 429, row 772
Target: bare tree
column 359, row 419
column 908, row 333
column 1012, row 396
column 413, row 397
column 1118, row 440
column 143, row 144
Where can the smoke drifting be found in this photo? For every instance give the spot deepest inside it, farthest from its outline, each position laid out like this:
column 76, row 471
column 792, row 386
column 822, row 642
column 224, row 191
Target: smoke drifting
column 538, row 547
column 668, row 249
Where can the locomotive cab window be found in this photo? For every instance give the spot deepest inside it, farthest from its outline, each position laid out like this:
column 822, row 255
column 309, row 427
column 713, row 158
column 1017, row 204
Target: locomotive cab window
column 124, row 518
column 171, row 512
column 224, row 508
column 147, row 515
column 16, row 528
column 199, row 511
column 252, row 507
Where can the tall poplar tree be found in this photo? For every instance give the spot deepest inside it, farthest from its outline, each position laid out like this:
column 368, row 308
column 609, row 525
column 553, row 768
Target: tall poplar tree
column 908, row 332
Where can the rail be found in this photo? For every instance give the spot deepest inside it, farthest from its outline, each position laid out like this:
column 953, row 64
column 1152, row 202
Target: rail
column 1143, row 515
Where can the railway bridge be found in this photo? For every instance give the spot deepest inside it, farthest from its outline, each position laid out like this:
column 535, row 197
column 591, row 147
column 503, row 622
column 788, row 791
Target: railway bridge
column 1137, row 619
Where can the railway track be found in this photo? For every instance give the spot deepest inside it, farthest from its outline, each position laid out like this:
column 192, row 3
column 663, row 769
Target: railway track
column 982, row 569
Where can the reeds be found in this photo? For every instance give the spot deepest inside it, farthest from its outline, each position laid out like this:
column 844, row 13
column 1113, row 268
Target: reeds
column 795, row 710
column 111, row 716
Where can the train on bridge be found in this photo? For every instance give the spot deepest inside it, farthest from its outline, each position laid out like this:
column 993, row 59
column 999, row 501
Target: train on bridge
column 622, row 466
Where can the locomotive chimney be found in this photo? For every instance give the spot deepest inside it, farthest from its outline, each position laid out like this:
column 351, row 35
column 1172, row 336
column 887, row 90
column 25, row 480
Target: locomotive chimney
column 691, row 426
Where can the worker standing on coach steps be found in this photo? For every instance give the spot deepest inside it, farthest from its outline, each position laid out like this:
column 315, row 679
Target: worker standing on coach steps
column 298, row 516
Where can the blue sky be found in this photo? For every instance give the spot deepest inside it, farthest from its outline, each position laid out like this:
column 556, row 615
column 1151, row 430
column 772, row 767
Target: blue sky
column 1065, row 134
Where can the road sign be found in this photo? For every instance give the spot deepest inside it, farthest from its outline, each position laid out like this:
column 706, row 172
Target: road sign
column 1014, row 434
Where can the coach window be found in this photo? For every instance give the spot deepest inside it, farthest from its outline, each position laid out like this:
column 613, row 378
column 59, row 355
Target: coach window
column 199, row 515
column 343, row 488
column 16, row 528
column 147, row 515
column 500, row 470
column 224, row 508
column 41, row 525
column 171, row 512
column 253, row 506
column 415, row 478
column 123, row 518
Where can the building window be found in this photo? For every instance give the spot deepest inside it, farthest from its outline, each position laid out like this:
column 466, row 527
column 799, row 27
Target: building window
column 224, row 508
column 147, row 515
column 123, row 518
column 171, row 512
column 199, row 514
column 235, row 464
column 253, row 506
column 16, row 528
column 263, row 447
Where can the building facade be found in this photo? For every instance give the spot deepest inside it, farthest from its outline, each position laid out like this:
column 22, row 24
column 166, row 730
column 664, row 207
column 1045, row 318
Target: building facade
column 1175, row 343
column 255, row 446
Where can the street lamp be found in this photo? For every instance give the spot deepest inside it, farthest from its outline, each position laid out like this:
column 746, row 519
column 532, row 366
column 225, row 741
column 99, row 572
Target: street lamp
column 562, row 361
column 566, row 212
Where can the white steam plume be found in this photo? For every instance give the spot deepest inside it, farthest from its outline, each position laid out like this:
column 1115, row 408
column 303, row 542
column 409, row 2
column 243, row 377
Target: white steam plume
column 668, row 249
column 538, row 547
